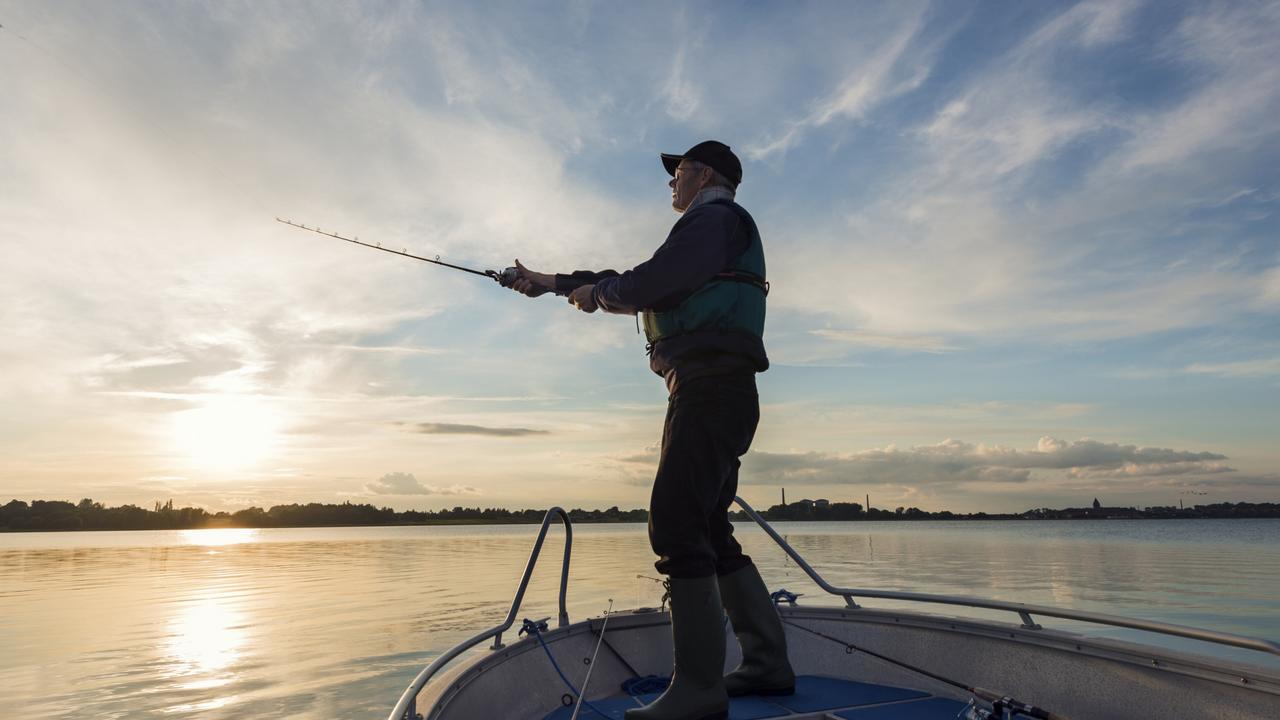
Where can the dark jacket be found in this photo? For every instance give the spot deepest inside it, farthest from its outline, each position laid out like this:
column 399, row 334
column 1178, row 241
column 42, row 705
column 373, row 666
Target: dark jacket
column 703, row 242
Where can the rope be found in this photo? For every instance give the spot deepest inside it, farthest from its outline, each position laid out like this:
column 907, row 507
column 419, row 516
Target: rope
column 645, row 685
column 782, row 596
column 536, row 629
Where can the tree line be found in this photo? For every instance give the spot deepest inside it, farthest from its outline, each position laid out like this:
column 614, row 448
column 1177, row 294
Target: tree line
column 90, row 515
column 18, row 515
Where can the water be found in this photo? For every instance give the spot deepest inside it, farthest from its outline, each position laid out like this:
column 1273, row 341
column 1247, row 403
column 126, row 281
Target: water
column 334, row 622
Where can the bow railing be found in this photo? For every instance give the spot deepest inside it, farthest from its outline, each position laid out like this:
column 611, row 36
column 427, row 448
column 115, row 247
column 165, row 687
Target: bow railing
column 406, row 708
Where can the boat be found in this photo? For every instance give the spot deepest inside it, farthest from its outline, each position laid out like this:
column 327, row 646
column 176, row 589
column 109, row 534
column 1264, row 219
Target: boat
column 853, row 662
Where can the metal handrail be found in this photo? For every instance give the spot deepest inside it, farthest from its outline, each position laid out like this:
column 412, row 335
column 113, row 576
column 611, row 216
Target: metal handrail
column 406, row 707
column 1023, row 610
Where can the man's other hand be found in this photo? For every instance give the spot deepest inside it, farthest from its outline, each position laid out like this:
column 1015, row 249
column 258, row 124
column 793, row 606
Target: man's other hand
column 584, row 298
column 532, row 283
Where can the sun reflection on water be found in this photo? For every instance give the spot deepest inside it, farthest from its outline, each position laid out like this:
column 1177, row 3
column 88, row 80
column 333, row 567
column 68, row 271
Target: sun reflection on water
column 205, row 637
column 212, row 537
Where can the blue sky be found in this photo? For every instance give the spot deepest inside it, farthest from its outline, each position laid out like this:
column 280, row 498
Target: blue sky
column 1022, row 254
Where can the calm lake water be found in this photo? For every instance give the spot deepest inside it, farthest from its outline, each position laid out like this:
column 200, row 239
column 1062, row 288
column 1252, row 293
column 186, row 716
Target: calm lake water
column 334, row 622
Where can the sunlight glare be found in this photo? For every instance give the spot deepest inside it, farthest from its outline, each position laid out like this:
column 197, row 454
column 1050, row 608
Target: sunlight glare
column 213, row 537
column 205, row 637
column 226, row 433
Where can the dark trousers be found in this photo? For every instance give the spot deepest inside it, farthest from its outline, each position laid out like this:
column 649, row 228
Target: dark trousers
column 710, row 423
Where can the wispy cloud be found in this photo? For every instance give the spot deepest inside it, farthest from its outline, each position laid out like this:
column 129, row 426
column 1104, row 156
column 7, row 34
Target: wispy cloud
column 1234, row 47
column 386, row 349
column 460, row 429
column 399, row 483
column 877, row 78
column 920, row 343
column 1068, row 191
column 955, row 462
column 682, row 97
column 1241, row 369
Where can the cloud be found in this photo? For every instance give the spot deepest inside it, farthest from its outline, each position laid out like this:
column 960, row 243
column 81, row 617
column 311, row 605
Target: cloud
column 1269, row 293
column 952, row 462
column 399, row 483
column 1019, row 112
column 1026, row 200
column 459, row 429
column 1263, row 367
column 387, row 349
column 1234, row 48
column 1066, row 174
column 1153, row 469
column 920, row 343
column 945, row 463
column 877, row 78
column 682, row 97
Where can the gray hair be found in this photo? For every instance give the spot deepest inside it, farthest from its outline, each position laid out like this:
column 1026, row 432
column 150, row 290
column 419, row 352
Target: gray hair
column 717, row 179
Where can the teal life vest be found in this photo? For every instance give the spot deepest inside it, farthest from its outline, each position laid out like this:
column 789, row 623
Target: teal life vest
column 731, row 301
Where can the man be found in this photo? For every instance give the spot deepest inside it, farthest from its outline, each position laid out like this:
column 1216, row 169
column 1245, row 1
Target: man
column 702, row 299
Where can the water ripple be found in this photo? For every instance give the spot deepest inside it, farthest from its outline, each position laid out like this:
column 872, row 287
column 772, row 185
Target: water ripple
column 320, row 623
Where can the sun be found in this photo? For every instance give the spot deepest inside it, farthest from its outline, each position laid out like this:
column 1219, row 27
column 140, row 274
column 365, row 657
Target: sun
column 231, row 432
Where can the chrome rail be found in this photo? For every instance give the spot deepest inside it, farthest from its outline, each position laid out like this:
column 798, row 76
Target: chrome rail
column 1023, row 610
column 406, row 707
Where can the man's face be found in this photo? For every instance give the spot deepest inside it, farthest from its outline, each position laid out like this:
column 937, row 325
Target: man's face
column 686, row 183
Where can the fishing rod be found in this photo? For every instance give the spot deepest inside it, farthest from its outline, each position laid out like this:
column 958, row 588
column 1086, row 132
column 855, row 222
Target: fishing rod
column 503, row 278
column 1003, row 706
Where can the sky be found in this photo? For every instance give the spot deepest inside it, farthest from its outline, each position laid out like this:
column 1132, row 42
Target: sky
column 1022, row 255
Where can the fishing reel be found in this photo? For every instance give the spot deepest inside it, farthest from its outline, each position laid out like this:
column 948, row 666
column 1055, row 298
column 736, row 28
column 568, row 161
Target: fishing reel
column 1004, row 708
column 506, row 277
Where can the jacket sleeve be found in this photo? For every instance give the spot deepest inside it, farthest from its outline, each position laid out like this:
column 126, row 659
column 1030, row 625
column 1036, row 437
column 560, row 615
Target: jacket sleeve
column 566, row 284
column 701, row 244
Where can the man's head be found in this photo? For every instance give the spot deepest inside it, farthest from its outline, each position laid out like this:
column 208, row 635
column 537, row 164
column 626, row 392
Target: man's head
column 707, row 164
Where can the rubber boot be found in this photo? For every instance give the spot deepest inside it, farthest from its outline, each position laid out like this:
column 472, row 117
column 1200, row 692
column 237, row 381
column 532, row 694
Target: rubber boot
column 697, row 628
column 765, row 668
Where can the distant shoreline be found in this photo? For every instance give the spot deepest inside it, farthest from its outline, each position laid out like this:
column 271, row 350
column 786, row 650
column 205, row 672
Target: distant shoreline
column 736, row 518
column 87, row 515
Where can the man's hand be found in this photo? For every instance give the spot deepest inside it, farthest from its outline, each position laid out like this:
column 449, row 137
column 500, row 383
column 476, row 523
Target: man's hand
column 532, row 283
column 584, row 299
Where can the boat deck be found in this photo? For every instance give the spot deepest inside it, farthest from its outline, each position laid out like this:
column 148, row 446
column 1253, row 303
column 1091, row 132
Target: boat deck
column 815, row 697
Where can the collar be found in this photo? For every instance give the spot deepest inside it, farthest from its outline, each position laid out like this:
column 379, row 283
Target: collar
column 710, row 194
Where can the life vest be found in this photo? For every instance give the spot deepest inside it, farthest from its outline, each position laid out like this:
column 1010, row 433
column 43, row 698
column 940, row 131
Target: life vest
column 731, row 301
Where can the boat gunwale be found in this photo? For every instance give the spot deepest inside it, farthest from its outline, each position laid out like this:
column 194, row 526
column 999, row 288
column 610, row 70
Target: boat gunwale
column 1224, row 672
column 406, row 706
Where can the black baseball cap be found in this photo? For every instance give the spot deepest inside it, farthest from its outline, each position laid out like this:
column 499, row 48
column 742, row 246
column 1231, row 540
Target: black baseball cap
column 713, row 154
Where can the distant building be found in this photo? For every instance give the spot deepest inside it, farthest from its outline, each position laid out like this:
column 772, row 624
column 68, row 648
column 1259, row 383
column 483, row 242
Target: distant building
column 1097, row 505
column 821, row 503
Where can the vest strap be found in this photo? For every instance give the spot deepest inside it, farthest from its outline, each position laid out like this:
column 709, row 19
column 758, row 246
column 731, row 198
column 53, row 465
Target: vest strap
column 743, row 276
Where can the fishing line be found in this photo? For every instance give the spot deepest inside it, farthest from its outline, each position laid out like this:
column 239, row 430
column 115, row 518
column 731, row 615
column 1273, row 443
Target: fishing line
column 587, row 680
